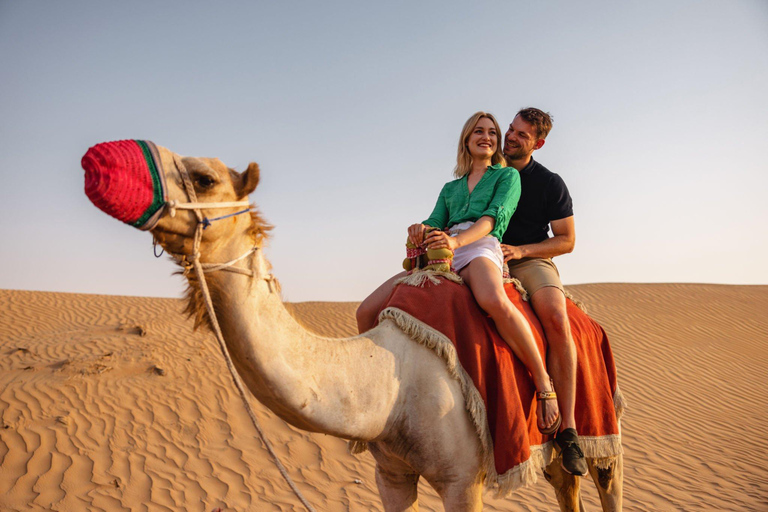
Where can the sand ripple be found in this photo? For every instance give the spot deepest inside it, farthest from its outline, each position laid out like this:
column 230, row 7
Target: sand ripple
column 115, row 404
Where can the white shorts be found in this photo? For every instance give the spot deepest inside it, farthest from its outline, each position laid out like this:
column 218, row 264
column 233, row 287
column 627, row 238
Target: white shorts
column 487, row 247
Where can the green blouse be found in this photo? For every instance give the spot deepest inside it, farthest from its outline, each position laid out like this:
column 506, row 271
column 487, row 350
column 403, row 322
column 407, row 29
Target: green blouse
column 495, row 195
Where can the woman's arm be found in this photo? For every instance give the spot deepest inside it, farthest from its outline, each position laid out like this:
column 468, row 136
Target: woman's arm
column 437, row 219
column 441, row 239
column 504, row 201
column 439, row 216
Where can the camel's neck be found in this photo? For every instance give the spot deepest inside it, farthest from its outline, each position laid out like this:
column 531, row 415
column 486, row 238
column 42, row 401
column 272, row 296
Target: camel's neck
column 341, row 387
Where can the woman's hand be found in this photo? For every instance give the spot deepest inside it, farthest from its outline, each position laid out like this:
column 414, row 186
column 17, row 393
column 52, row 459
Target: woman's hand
column 416, row 234
column 440, row 240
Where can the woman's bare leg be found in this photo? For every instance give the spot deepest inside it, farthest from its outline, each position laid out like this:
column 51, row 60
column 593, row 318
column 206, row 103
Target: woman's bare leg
column 487, row 285
column 368, row 310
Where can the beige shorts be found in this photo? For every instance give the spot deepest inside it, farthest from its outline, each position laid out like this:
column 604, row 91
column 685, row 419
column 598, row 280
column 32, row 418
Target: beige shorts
column 535, row 274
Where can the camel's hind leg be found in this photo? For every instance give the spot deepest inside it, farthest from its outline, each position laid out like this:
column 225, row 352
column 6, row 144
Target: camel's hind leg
column 609, row 482
column 566, row 487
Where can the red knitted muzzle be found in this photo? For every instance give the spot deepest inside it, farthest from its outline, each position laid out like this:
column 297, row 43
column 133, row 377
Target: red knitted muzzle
column 125, row 179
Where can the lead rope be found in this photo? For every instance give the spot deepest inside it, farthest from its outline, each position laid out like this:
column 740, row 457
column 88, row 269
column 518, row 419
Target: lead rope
column 220, row 338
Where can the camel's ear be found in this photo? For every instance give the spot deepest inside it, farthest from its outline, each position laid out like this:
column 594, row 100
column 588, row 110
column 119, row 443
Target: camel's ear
column 245, row 182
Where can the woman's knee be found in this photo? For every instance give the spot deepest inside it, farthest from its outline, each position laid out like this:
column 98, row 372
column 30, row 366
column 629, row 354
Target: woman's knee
column 494, row 304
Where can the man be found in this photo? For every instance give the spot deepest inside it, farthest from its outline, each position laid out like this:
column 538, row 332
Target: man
column 528, row 250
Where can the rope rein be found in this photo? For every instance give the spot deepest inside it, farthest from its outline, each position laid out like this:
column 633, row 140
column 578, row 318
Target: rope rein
column 207, row 221
column 200, row 269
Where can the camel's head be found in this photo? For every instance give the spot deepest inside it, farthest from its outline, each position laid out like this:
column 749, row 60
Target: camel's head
column 142, row 185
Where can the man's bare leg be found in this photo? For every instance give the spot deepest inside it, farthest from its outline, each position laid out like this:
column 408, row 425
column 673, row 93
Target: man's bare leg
column 368, row 310
column 549, row 305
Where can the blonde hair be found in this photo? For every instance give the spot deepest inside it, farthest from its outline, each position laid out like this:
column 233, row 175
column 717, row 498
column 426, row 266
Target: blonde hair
column 464, row 158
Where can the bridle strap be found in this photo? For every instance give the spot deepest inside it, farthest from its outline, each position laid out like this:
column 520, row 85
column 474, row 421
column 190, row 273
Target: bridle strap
column 213, row 267
column 193, row 204
column 200, row 206
column 202, row 222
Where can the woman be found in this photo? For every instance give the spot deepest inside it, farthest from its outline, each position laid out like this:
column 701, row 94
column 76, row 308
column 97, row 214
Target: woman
column 475, row 208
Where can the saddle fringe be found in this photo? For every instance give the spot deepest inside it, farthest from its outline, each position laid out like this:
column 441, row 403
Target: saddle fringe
column 619, row 403
column 419, row 278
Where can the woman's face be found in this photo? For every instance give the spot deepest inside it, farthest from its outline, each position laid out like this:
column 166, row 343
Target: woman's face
column 483, row 140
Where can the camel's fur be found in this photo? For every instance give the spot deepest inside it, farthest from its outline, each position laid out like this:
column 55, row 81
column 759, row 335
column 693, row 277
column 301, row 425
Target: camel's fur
column 380, row 389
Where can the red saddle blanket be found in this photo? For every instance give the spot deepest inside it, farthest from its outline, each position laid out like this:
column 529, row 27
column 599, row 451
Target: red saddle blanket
column 505, row 385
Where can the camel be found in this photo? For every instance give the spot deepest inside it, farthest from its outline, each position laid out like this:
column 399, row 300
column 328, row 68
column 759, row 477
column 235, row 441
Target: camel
column 380, row 388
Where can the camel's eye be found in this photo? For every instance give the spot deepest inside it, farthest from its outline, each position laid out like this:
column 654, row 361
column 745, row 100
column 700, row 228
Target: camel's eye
column 204, row 181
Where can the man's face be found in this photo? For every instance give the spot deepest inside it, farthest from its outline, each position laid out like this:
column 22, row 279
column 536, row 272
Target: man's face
column 520, row 140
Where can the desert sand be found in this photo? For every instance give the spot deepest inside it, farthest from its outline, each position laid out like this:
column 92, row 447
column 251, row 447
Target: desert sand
column 115, row 403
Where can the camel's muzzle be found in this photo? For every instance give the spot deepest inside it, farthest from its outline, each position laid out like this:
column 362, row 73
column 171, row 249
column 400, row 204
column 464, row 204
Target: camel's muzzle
column 125, row 179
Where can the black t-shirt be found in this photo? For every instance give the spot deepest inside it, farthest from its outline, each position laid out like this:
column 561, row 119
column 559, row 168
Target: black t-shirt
column 544, row 198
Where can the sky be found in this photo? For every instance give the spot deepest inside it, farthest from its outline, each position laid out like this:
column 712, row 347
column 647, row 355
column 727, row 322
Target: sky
column 353, row 111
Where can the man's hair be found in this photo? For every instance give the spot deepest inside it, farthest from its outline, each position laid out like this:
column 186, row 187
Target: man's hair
column 541, row 121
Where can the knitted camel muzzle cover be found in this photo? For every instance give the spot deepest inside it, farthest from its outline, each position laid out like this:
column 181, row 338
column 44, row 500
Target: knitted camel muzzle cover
column 125, row 179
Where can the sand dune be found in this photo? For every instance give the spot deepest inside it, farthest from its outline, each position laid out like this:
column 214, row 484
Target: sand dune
column 114, row 403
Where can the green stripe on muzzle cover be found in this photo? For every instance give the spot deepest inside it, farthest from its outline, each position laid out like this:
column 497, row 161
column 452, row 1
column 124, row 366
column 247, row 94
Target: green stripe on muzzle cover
column 157, row 188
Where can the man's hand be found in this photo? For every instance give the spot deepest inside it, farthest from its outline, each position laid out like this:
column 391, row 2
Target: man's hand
column 562, row 242
column 511, row 252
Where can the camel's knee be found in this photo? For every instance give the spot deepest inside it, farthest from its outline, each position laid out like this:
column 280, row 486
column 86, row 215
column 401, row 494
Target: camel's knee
column 608, row 477
column 605, row 475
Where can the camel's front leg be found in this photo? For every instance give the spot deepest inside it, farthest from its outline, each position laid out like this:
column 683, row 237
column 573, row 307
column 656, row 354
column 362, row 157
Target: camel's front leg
column 397, row 482
column 610, row 482
column 462, row 496
column 566, row 487
column 398, row 491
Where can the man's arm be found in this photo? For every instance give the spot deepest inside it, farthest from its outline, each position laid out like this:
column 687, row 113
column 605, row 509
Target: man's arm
column 563, row 241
